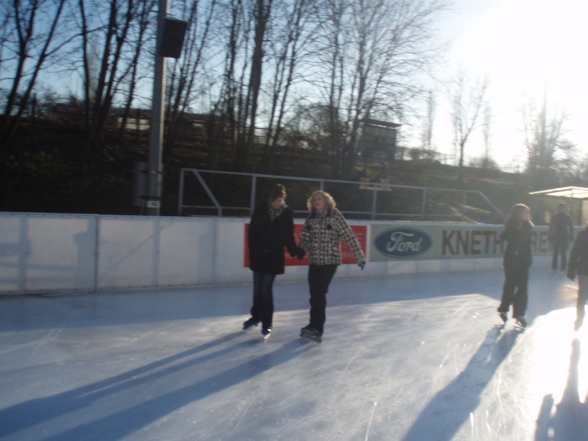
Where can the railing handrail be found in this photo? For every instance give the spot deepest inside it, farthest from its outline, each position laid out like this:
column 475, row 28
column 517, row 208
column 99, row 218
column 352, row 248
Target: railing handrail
column 375, row 188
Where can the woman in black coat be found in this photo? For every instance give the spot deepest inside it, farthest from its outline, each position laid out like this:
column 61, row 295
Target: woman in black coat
column 516, row 262
column 270, row 230
column 579, row 265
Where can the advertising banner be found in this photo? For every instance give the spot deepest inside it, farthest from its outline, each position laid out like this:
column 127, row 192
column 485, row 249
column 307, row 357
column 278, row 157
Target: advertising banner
column 438, row 241
column 346, row 254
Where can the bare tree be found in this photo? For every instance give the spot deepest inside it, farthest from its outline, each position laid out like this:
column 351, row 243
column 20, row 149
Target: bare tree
column 229, row 103
column 485, row 160
column 468, row 101
column 263, row 44
column 246, row 39
column 290, row 32
column 545, row 135
column 6, row 30
column 260, row 13
column 258, row 61
column 428, row 124
column 30, row 39
column 368, row 55
column 109, row 56
column 358, row 59
column 186, row 78
column 139, row 38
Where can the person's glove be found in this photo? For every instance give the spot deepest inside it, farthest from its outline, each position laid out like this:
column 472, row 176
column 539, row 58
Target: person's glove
column 571, row 275
column 300, row 253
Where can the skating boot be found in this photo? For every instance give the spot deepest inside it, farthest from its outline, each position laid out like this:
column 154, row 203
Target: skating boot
column 311, row 334
column 521, row 321
column 249, row 323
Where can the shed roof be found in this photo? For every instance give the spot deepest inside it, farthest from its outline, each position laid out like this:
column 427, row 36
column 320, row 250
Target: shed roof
column 564, row 192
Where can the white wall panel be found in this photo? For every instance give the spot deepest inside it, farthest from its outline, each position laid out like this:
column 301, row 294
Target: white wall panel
column 229, row 252
column 128, row 252
column 47, row 252
column 185, row 252
column 59, row 252
column 14, row 248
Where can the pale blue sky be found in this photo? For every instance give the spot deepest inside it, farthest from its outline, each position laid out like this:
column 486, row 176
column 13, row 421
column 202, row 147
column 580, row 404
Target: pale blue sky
column 523, row 45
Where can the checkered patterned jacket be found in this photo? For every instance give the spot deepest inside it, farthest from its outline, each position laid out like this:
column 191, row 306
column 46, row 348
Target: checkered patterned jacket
column 321, row 237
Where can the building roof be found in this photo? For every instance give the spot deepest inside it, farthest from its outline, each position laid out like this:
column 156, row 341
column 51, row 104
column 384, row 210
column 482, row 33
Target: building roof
column 564, row 192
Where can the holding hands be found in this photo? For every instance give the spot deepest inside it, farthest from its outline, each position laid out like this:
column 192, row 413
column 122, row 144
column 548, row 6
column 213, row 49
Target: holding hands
column 300, row 253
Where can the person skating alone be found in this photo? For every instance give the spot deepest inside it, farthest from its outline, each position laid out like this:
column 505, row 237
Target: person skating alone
column 578, row 264
column 516, row 262
column 321, row 238
column 270, row 230
column 561, row 233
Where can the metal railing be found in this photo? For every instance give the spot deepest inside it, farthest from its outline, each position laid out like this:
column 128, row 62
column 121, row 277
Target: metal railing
column 432, row 200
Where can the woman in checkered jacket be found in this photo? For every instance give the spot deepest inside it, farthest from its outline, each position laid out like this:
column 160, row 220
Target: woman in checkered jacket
column 321, row 238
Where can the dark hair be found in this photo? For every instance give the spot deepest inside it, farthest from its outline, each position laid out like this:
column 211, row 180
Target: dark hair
column 276, row 191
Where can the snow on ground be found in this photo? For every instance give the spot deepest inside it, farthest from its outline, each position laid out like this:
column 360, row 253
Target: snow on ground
column 404, row 358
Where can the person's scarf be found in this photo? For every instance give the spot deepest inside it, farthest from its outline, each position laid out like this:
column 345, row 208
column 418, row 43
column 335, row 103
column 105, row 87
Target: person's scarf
column 275, row 212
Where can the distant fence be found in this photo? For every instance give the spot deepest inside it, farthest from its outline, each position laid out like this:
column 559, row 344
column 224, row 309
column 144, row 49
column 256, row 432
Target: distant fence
column 231, row 193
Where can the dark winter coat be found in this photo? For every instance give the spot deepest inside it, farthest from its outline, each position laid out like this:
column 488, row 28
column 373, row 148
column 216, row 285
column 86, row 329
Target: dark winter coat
column 561, row 227
column 578, row 263
column 518, row 247
column 267, row 239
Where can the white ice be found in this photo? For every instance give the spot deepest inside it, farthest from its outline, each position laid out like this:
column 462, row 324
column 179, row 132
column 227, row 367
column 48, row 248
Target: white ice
column 404, row 358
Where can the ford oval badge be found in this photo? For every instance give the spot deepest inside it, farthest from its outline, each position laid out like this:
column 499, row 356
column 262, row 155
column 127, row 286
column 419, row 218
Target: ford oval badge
column 403, row 242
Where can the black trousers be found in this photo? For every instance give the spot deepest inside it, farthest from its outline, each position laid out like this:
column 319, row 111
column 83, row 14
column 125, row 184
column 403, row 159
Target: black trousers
column 514, row 291
column 319, row 279
column 263, row 299
column 560, row 248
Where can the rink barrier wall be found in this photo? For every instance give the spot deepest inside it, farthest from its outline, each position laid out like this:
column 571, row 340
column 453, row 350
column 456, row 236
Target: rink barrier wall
column 48, row 253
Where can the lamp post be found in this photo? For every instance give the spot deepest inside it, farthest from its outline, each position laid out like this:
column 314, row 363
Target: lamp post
column 154, row 166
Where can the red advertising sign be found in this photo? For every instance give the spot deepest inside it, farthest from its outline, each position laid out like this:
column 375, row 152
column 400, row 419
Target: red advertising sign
column 346, row 253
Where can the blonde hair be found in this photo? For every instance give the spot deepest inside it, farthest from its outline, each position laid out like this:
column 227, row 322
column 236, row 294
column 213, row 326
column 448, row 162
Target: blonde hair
column 514, row 218
column 330, row 202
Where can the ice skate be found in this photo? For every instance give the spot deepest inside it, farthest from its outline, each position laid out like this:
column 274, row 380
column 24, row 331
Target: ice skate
column 266, row 332
column 249, row 323
column 311, row 334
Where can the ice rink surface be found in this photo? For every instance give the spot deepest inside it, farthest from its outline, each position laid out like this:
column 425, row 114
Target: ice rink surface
column 403, row 358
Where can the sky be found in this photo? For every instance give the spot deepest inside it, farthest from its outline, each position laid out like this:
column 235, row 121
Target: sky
column 525, row 47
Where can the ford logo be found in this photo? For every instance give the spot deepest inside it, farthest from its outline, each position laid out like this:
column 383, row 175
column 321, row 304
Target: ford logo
column 403, row 242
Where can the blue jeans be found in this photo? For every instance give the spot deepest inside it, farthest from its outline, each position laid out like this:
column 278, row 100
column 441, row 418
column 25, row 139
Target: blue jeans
column 263, row 299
